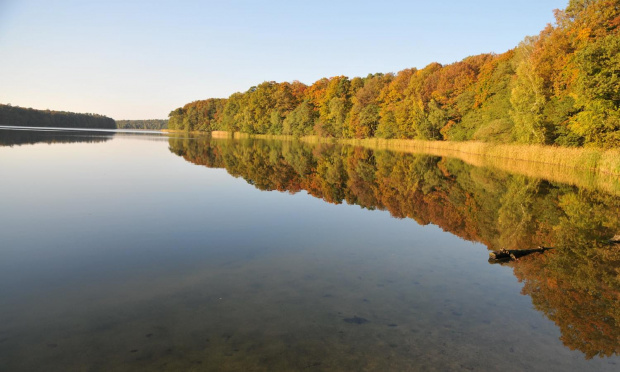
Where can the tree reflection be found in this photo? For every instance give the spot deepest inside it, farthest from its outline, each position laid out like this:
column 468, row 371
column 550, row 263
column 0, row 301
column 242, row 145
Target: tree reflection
column 576, row 285
column 17, row 137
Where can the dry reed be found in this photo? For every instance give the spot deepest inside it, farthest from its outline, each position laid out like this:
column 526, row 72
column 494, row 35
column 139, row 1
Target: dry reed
column 584, row 167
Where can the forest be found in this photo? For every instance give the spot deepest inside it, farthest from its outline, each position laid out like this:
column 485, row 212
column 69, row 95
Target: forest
column 576, row 285
column 559, row 87
column 28, row 117
column 149, row 124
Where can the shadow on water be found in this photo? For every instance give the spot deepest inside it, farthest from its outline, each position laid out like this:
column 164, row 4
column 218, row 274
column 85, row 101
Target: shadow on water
column 576, row 285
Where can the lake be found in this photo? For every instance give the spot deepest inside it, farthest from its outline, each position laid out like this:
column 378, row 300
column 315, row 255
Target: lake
column 147, row 252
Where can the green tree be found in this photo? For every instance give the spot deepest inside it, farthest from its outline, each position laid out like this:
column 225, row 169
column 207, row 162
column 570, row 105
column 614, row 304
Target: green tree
column 598, row 92
column 528, row 99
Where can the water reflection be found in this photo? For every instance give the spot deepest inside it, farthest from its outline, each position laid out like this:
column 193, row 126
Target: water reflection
column 121, row 256
column 576, row 285
column 17, row 137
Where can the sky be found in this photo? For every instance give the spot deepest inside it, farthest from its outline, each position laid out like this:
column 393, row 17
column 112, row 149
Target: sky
column 142, row 59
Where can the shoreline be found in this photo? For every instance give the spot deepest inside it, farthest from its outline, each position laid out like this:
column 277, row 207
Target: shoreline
column 589, row 166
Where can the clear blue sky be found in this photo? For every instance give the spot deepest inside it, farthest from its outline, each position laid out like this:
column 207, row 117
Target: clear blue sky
column 141, row 59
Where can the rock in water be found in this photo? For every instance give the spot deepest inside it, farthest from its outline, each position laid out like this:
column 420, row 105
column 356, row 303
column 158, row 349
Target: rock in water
column 356, row 320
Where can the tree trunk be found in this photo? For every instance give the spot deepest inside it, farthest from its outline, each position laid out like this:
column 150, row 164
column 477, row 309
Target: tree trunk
column 504, row 255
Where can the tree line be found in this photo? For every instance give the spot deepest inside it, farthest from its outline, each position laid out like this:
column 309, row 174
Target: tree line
column 28, row 117
column 559, row 87
column 150, row 124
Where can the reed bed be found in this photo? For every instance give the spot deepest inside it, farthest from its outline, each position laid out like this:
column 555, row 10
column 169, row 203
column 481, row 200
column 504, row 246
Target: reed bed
column 593, row 159
column 584, row 167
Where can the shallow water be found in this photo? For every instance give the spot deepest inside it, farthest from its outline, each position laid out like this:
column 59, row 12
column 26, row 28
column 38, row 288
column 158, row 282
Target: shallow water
column 119, row 253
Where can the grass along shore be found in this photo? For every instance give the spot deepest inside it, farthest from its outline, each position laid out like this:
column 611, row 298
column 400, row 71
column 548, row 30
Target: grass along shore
column 585, row 167
column 588, row 158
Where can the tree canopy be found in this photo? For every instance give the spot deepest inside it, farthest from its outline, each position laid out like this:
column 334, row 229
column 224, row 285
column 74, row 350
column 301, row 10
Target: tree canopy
column 28, row 117
column 559, row 87
column 151, row 124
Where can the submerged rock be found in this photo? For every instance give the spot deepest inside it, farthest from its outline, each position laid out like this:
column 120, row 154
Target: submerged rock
column 356, row 320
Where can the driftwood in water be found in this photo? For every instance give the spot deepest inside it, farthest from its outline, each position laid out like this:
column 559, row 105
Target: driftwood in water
column 504, row 255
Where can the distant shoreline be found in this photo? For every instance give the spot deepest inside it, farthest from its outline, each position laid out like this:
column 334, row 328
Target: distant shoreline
column 29, row 117
column 65, row 129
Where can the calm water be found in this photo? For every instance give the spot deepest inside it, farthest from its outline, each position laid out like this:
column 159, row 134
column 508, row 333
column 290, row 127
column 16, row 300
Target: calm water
column 147, row 253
